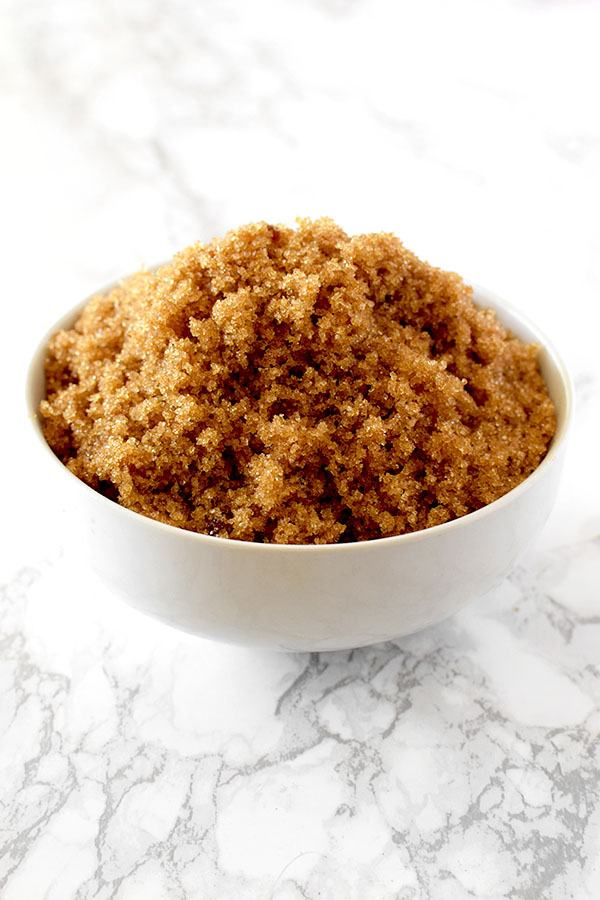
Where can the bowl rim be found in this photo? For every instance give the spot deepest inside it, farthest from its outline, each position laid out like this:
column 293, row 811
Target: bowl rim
column 482, row 296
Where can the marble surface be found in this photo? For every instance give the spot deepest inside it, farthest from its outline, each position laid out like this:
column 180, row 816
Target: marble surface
column 463, row 762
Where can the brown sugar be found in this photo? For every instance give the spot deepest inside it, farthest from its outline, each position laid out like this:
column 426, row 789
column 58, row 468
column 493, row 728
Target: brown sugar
column 296, row 386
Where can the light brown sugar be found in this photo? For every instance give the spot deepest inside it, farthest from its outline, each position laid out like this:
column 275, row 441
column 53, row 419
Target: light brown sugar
column 296, row 386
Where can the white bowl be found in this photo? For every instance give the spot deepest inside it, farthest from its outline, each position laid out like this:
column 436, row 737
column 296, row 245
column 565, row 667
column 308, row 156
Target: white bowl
column 317, row 597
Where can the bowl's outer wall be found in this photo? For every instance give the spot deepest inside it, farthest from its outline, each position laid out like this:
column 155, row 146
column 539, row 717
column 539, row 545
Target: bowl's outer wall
column 311, row 598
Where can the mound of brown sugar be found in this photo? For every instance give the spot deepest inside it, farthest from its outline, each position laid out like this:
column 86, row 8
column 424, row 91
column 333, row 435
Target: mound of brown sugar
column 296, row 386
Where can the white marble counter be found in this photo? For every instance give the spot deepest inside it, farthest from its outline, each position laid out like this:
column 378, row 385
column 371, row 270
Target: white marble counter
column 463, row 762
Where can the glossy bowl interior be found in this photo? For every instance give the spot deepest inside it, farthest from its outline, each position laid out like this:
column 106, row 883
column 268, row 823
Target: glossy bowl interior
column 321, row 597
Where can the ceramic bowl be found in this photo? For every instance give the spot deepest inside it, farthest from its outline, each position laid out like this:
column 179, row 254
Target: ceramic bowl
column 321, row 597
